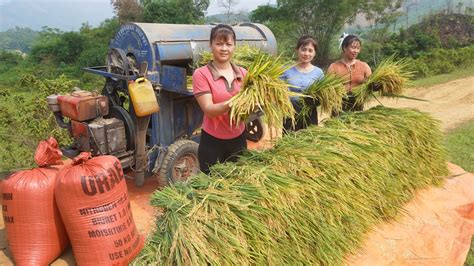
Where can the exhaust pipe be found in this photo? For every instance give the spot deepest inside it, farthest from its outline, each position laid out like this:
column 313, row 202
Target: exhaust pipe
column 53, row 105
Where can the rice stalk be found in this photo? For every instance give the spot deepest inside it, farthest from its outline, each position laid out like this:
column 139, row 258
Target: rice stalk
column 263, row 90
column 309, row 200
column 329, row 92
column 392, row 75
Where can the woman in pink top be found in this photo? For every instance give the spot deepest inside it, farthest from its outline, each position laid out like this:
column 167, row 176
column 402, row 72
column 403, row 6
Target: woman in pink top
column 213, row 86
column 354, row 71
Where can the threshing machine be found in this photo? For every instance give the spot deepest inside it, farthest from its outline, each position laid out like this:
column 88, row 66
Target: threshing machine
column 165, row 54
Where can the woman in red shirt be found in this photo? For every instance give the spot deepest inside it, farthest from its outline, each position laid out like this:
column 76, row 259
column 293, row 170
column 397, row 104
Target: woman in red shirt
column 354, row 71
column 213, row 86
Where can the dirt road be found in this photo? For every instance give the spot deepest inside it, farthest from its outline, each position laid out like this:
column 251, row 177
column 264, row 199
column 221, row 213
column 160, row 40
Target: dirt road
column 452, row 103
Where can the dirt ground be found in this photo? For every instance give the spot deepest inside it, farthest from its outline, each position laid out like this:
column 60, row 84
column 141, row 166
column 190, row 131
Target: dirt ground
column 452, row 103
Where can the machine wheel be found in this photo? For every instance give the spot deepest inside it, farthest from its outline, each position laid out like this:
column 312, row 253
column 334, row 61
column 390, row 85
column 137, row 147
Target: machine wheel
column 254, row 130
column 181, row 161
column 122, row 114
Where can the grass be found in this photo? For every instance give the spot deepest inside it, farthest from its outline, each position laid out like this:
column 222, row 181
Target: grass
column 443, row 78
column 460, row 144
column 470, row 256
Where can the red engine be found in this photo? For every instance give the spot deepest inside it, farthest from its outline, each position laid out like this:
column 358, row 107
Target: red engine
column 83, row 105
column 87, row 125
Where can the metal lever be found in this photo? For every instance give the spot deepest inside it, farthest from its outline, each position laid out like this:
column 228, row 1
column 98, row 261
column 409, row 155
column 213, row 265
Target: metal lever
column 143, row 69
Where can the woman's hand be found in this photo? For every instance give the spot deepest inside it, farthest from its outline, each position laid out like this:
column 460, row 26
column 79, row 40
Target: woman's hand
column 228, row 103
column 375, row 86
column 210, row 108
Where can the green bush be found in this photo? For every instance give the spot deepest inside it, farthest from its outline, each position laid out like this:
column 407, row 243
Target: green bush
column 25, row 120
column 441, row 61
column 8, row 58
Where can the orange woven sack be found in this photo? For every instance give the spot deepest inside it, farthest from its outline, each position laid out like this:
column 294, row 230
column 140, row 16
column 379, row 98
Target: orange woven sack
column 93, row 201
column 35, row 231
column 47, row 152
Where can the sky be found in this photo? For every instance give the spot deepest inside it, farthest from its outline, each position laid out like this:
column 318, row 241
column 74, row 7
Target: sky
column 242, row 5
column 70, row 14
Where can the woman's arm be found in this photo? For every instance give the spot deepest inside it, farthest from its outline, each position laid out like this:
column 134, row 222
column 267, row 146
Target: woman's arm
column 202, row 92
column 210, row 108
column 368, row 71
column 331, row 69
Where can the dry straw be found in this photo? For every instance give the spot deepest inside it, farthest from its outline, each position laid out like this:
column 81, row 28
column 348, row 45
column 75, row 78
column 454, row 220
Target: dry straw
column 309, row 200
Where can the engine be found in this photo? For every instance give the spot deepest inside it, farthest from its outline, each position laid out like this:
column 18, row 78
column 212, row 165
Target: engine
column 83, row 114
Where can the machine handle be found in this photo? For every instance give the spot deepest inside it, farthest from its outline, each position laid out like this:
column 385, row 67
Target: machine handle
column 140, row 80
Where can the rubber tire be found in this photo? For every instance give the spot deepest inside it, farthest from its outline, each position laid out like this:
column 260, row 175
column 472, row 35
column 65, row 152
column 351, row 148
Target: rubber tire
column 122, row 114
column 252, row 134
column 175, row 152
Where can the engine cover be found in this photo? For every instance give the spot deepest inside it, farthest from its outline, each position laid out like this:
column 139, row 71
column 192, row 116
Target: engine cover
column 83, row 105
column 101, row 136
column 108, row 136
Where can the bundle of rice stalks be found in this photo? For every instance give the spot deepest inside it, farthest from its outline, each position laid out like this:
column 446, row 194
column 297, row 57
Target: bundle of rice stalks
column 244, row 55
column 391, row 75
column 310, row 200
column 264, row 90
column 329, row 92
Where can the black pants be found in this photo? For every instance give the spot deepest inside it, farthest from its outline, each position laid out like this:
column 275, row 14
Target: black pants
column 349, row 105
column 300, row 121
column 212, row 150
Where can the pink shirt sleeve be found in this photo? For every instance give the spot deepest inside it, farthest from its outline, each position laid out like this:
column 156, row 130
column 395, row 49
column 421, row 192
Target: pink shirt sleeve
column 200, row 83
column 244, row 71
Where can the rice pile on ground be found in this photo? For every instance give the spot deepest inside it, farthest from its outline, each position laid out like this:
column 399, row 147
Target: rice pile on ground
column 310, row 200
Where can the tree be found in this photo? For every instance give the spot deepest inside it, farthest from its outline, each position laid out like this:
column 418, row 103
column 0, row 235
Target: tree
column 43, row 48
column 68, row 48
column 459, row 7
column 323, row 19
column 276, row 19
column 175, row 11
column 449, row 4
column 380, row 15
column 18, row 39
column 128, row 10
column 228, row 6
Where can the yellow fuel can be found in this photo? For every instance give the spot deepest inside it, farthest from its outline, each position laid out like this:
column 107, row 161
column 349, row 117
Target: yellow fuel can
column 143, row 97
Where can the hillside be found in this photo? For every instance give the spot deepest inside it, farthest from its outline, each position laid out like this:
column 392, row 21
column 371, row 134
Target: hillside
column 414, row 11
column 452, row 29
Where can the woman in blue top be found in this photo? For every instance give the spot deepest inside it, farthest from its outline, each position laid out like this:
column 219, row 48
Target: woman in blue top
column 302, row 75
